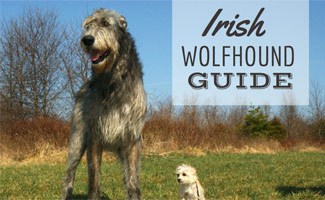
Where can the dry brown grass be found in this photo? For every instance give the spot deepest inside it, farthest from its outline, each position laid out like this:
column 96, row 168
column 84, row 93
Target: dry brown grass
column 26, row 138
column 190, row 131
column 166, row 134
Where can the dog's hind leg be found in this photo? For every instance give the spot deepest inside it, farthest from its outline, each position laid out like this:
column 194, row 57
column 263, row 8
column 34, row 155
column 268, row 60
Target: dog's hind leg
column 77, row 148
column 130, row 158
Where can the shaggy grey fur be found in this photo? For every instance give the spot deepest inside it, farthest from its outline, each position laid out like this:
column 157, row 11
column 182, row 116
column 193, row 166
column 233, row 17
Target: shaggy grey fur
column 110, row 109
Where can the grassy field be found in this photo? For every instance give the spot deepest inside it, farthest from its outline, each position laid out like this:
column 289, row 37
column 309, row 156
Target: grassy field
column 224, row 176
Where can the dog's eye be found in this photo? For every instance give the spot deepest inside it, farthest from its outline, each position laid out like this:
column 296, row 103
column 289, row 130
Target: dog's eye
column 184, row 174
column 105, row 23
column 86, row 28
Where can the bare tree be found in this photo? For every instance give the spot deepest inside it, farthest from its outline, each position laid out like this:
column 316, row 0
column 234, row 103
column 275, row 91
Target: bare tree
column 31, row 68
column 191, row 114
column 211, row 115
column 236, row 115
column 290, row 116
column 317, row 109
column 76, row 62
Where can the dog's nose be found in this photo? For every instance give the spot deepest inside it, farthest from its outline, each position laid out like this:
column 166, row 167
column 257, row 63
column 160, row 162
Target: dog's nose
column 88, row 40
column 179, row 180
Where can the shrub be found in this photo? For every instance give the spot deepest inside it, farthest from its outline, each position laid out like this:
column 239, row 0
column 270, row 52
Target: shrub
column 276, row 130
column 256, row 124
column 318, row 128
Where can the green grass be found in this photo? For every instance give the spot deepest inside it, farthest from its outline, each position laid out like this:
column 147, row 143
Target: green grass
column 224, row 176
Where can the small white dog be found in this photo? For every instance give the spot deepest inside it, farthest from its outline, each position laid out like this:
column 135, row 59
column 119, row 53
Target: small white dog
column 189, row 185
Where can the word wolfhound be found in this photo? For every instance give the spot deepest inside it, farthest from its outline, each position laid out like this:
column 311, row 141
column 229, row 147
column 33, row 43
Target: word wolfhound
column 189, row 185
column 110, row 109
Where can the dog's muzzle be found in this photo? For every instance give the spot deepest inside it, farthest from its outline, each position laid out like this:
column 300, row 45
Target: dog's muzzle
column 96, row 56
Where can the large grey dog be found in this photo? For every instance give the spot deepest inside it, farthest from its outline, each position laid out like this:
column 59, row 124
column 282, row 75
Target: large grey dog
column 110, row 109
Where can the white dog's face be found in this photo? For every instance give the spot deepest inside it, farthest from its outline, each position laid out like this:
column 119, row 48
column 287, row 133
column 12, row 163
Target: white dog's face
column 186, row 174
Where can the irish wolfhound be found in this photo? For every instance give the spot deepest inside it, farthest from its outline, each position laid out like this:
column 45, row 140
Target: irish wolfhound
column 110, row 109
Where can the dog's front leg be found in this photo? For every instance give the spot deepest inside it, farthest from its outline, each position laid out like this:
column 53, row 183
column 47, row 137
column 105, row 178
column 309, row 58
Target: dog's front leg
column 77, row 148
column 94, row 159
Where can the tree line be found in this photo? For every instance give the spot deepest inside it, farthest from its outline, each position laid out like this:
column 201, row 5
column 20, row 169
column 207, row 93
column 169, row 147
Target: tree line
column 42, row 65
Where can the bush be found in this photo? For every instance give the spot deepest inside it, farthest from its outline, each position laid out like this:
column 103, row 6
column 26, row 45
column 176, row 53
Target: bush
column 256, row 124
column 276, row 130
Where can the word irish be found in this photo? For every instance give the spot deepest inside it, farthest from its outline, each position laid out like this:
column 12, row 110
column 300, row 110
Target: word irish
column 234, row 28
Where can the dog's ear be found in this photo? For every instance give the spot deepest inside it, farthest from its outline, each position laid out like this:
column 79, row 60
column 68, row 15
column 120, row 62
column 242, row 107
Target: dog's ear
column 123, row 22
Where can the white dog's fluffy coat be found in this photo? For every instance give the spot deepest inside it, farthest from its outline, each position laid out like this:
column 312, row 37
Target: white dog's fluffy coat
column 189, row 185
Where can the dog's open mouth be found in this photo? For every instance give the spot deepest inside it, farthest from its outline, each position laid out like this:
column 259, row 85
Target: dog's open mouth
column 99, row 56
